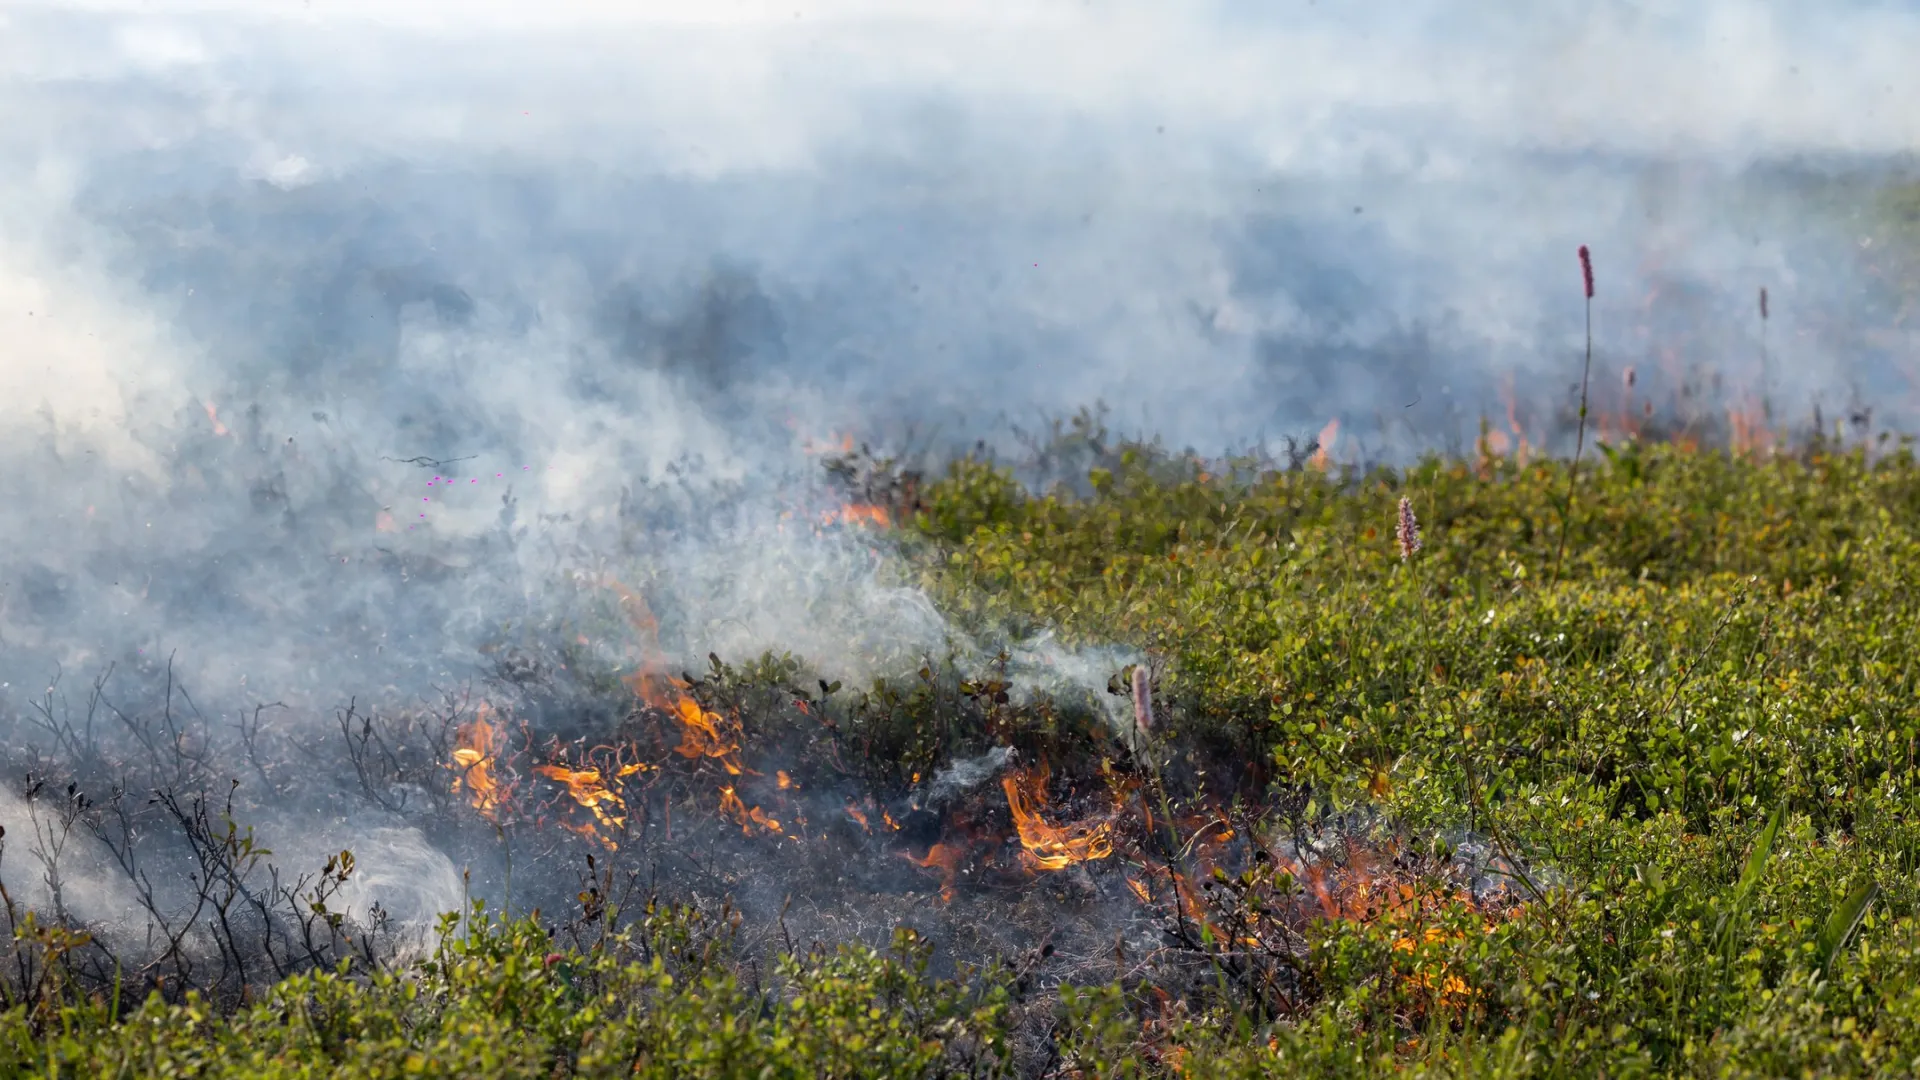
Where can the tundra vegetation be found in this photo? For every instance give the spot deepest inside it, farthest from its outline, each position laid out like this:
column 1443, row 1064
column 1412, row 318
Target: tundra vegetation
column 1431, row 771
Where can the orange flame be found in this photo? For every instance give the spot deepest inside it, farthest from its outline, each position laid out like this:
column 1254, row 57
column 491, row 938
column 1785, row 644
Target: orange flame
column 703, row 734
column 1513, row 419
column 1748, row 424
column 731, row 806
column 842, row 444
column 1367, row 888
column 945, row 858
column 475, row 757
column 1328, row 435
column 590, row 789
column 748, row 818
column 859, row 514
column 1047, row 846
column 700, row 731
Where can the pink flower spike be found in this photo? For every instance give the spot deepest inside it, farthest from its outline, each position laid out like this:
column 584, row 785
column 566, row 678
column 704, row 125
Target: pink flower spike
column 1406, row 530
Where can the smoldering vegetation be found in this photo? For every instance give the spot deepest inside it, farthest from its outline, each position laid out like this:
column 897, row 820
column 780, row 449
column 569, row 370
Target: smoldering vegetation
column 1013, row 800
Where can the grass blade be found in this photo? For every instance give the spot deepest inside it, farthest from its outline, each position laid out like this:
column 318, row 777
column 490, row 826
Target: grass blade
column 1756, row 864
column 1844, row 921
column 1749, row 880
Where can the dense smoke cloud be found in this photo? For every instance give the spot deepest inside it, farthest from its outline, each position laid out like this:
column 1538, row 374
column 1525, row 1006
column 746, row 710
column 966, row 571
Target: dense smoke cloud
column 1227, row 222
column 331, row 335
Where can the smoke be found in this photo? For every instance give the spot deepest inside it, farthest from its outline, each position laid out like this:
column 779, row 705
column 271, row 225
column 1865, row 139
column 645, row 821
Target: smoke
column 332, row 337
column 962, row 776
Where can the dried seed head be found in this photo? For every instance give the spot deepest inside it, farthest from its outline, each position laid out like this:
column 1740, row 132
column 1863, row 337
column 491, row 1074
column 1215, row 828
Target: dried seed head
column 1586, row 269
column 1142, row 700
column 1407, row 530
column 1629, row 378
column 1763, row 303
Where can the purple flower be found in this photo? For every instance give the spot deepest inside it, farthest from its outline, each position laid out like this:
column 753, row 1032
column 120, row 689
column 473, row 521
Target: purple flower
column 1586, row 269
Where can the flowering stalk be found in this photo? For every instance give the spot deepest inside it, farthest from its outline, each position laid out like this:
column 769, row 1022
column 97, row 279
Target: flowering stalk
column 1406, row 530
column 1580, row 440
column 1406, row 536
column 1142, row 700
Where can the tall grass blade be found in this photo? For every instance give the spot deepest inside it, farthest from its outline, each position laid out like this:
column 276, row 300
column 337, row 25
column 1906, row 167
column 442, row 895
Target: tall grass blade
column 1844, row 921
column 1750, row 878
column 1757, row 862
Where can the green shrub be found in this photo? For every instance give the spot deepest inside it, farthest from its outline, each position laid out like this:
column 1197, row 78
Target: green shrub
column 1694, row 752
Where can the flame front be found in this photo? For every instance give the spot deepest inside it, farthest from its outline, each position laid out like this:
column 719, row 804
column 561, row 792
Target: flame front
column 596, row 784
column 705, row 735
column 1046, row 846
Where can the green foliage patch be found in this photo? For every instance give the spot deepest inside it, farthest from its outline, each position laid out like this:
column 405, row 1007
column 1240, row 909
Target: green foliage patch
column 1694, row 747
